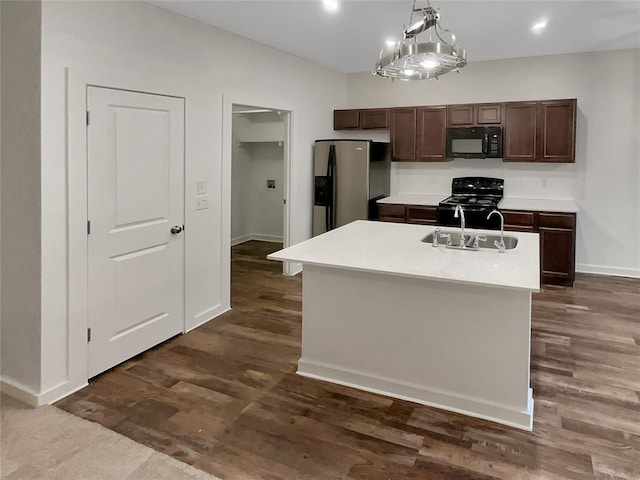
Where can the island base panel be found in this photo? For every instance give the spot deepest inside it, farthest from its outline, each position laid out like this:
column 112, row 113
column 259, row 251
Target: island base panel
column 458, row 347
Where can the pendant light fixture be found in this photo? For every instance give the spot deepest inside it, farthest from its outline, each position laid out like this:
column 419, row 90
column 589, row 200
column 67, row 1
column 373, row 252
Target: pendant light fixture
column 409, row 59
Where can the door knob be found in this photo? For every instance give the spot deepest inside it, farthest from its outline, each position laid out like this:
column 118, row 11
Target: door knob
column 176, row 229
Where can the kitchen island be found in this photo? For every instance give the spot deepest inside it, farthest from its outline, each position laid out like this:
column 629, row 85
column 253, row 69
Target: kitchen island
column 387, row 313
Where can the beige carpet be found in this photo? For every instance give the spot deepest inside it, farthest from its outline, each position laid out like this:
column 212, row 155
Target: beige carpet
column 47, row 443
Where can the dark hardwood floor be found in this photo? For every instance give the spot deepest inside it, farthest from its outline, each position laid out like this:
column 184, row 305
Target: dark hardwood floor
column 225, row 397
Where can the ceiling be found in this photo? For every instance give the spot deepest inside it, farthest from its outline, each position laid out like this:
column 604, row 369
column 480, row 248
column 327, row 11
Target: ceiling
column 350, row 39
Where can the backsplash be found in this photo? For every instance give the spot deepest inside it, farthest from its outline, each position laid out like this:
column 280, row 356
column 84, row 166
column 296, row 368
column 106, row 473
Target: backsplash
column 546, row 181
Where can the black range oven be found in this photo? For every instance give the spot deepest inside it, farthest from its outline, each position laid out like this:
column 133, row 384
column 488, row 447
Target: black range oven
column 477, row 196
column 474, row 142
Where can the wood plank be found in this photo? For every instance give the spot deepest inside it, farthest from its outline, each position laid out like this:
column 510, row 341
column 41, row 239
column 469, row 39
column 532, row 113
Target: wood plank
column 225, row 396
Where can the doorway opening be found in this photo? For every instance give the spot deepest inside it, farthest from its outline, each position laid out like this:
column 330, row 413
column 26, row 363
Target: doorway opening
column 259, row 180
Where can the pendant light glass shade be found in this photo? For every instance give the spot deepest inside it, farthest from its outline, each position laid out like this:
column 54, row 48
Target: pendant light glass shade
column 410, row 59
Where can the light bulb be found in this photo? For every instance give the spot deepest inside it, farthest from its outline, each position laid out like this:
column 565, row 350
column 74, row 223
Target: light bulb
column 430, row 63
column 539, row 26
column 330, row 5
column 408, row 71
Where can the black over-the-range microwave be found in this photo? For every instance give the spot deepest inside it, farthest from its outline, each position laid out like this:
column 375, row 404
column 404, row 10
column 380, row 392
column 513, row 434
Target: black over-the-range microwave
column 474, row 142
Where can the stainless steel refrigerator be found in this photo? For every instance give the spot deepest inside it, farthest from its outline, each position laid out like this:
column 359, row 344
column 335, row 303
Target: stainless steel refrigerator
column 349, row 176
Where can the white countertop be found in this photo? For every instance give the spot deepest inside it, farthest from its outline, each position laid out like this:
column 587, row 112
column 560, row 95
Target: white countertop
column 529, row 204
column 397, row 249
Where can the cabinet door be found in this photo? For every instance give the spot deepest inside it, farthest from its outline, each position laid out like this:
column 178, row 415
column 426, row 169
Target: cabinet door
column 557, row 131
column 461, row 115
column 557, row 255
column 520, row 132
column 489, row 114
column 345, row 119
column 403, row 134
column 431, row 139
column 374, row 118
column 517, row 218
column 390, row 212
column 424, row 215
column 518, row 228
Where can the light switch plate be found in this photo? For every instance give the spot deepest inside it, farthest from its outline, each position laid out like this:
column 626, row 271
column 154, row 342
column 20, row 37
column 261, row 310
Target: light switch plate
column 202, row 203
column 201, row 187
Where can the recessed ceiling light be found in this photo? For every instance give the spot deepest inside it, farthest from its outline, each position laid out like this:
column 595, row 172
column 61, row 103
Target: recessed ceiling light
column 330, row 5
column 539, row 26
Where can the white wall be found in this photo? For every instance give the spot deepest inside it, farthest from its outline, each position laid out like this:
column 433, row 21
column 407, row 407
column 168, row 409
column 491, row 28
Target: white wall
column 20, row 178
column 257, row 213
column 606, row 176
column 257, row 155
column 146, row 45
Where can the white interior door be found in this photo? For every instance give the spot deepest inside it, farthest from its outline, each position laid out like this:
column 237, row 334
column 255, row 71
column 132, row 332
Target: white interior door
column 136, row 214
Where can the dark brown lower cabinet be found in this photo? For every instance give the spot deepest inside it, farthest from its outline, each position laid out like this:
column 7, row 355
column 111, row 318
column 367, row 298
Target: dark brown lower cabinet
column 557, row 247
column 400, row 213
column 422, row 215
column 390, row 212
column 557, row 242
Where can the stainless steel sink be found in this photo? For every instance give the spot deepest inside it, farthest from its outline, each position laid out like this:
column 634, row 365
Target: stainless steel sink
column 509, row 242
column 442, row 241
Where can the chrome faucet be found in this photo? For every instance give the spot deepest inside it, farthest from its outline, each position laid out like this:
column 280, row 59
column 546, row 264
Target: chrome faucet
column 500, row 244
column 462, row 222
column 436, row 234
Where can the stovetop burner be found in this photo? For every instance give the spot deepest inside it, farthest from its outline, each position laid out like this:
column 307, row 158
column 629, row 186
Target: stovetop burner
column 470, row 201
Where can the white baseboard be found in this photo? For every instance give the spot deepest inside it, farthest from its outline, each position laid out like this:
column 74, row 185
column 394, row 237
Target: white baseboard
column 209, row 314
column 293, row 269
column 58, row 392
column 613, row 271
column 19, row 392
column 256, row 236
column 28, row 396
column 420, row 394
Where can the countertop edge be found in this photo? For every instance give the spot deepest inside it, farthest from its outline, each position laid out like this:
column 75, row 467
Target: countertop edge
column 405, row 275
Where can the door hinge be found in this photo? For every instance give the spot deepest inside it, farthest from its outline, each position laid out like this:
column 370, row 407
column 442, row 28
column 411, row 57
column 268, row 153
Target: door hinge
column 285, row 201
column 88, row 335
column 88, row 227
column 88, row 117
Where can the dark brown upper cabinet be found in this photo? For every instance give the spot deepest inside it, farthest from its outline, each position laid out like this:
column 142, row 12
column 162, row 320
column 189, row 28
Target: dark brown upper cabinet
column 374, row 118
column 540, row 131
column 403, row 134
column 431, row 139
column 346, row 119
column 367, row 118
column 474, row 114
column 520, row 132
column 557, row 131
column 536, row 131
column 489, row 114
column 460, row 115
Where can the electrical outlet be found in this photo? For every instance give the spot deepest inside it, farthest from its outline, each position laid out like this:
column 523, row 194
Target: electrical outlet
column 271, row 184
column 202, row 203
column 201, row 187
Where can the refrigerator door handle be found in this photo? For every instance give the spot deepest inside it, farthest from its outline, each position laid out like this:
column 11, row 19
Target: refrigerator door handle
column 330, row 211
